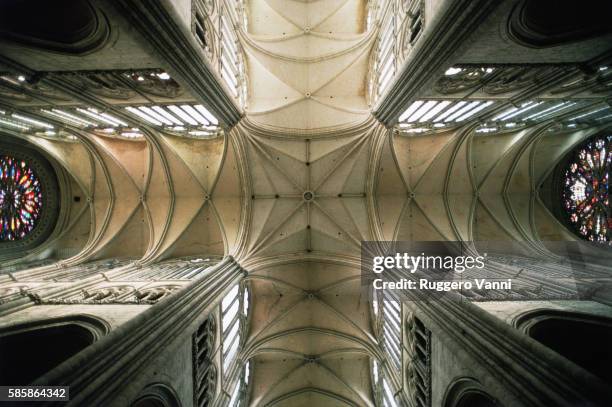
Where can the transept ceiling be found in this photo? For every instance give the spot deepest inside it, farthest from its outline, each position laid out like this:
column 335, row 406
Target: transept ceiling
column 308, row 63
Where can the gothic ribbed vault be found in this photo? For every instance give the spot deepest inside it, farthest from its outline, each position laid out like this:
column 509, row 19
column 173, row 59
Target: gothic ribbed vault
column 296, row 165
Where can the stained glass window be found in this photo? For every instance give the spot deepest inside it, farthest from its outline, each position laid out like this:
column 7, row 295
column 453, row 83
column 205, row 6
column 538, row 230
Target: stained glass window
column 20, row 199
column 585, row 190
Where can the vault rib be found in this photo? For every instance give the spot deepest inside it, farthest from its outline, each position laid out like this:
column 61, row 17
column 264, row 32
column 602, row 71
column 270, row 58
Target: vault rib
column 350, row 388
column 281, row 380
column 398, row 168
column 347, row 319
column 356, row 242
column 331, row 14
column 277, row 320
column 350, row 151
column 246, row 38
column 261, row 245
column 316, row 390
column 275, row 280
column 340, row 108
column 281, row 170
column 284, row 16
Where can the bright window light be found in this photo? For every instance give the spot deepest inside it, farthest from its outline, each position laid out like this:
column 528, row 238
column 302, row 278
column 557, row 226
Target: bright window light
column 143, row 116
column 449, row 111
column 462, row 111
column 437, row 109
column 389, row 400
column 229, row 298
column 245, row 302
column 234, row 399
column 589, row 113
column 168, row 116
column 194, row 114
column 247, row 372
column 228, row 317
column 114, row 119
column 180, row 113
column 529, row 106
column 474, row 111
column 411, row 109
column 233, row 332
column 37, row 123
column 200, row 133
column 556, row 111
column 131, row 134
column 375, row 370
column 604, row 117
column 65, row 116
column 536, row 115
column 96, row 117
column 504, row 113
column 421, row 111
column 207, row 114
column 155, row 115
column 230, row 355
column 416, row 130
column 374, row 301
column 452, row 71
column 486, row 130
column 102, row 117
column 14, row 125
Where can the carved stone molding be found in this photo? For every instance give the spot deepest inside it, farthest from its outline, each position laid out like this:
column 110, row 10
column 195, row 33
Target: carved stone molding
column 596, row 81
column 22, row 89
column 8, row 294
column 418, row 369
column 96, row 326
column 495, row 80
column 129, row 351
column 464, row 388
column 204, row 13
column 107, row 293
column 119, row 294
column 125, row 85
column 412, row 26
column 467, row 78
column 493, row 344
column 515, row 78
column 157, row 394
column 204, row 369
column 459, row 20
column 155, row 294
column 180, row 50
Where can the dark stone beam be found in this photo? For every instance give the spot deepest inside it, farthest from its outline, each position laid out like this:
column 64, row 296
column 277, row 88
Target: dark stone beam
column 105, row 371
column 161, row 30
column 431, row 55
